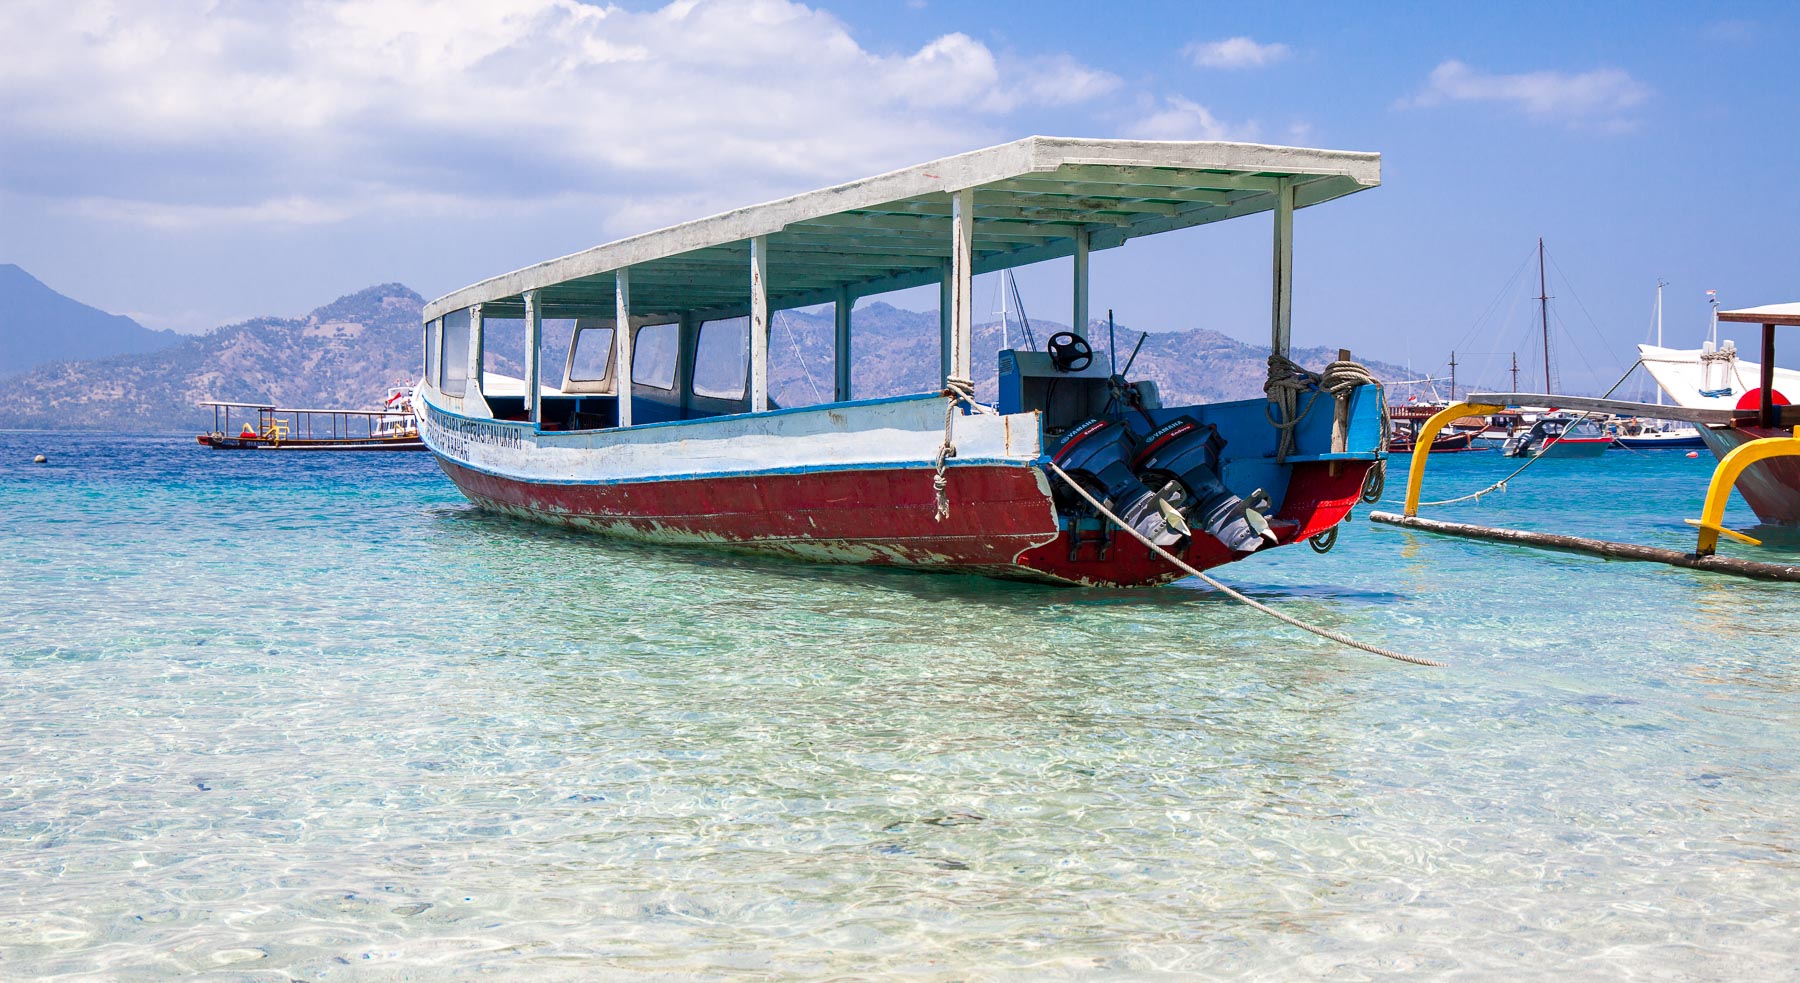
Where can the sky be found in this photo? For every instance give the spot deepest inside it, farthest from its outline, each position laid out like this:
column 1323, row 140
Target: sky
column 196, row 164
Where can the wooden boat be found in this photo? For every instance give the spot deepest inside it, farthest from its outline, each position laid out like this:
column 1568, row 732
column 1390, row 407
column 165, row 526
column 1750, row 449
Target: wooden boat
column 661, row 427
column 277, row 428
column 1403, row 434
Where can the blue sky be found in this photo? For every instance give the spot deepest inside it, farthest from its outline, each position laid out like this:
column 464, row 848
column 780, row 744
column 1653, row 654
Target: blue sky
column 195, row 164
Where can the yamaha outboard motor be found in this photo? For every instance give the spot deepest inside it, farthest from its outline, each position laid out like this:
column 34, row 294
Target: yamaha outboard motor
column 1098, row 453
column 1180, row 463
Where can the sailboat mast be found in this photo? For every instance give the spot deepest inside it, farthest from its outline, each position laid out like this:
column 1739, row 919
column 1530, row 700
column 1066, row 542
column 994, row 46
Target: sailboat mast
column 1453, row 377
column 1659, row 285
column 1515, row 371
column 1544, row 312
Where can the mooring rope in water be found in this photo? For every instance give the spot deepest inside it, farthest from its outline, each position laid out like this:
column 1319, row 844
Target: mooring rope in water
column 1325, row 633
column 1501, row 484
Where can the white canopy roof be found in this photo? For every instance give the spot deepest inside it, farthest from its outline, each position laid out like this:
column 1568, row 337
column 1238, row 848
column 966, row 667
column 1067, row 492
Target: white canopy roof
column 1031, row 197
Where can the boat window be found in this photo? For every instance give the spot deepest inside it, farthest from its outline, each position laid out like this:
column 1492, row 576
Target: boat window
column 454, row 379
column 592, row 357
column 653, row 351
column 431, row 348
column 722, row 358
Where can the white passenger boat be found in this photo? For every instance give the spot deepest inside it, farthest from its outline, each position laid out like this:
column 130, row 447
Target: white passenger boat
column 1715, row 377
column 660, row 426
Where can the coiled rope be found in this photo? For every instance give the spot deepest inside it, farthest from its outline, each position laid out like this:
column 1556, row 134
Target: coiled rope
column 1325, row 633
column 1501, row 484
column 958, row 391
column 1288, row 379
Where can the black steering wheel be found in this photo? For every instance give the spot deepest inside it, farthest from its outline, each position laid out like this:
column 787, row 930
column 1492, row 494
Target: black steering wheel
column 1069, row 352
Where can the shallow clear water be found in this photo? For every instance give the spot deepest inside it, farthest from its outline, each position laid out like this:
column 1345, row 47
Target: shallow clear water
column 284, row 716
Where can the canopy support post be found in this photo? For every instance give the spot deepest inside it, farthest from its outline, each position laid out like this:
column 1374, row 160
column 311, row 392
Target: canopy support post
column 1078, row 319
column 622, row 343
column 1281, row 308
column 945, row 303
column 534, row 357
column 759, row 324
column 1765, row 412
column 841, row 344
column 477, row 328
column 474, row 401
column 962, row 269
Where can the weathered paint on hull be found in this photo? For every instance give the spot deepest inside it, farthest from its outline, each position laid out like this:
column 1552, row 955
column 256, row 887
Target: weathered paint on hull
column 1771, row 487
column 1002, row 522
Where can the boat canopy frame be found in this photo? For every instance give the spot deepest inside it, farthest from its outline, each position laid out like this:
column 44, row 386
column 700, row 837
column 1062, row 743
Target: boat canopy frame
column 942, row 222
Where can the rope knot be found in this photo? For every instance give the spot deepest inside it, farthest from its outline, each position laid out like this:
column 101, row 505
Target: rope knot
column 957, row 392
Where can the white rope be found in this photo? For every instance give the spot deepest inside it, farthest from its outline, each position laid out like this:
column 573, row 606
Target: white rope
column 959, row 391
column 1234, row 595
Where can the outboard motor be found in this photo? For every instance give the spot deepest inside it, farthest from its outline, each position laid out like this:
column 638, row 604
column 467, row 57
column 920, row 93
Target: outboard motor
column 1098, row 453
column 1180, row 463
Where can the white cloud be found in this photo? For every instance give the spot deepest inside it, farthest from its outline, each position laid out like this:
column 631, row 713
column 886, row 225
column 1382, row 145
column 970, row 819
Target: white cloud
column 1179, row 118
column 1239, row 52
column 1600, row 97
column 185, row 114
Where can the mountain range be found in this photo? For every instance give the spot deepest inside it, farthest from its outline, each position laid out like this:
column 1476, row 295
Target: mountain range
column 39, row 326
column 347, row 353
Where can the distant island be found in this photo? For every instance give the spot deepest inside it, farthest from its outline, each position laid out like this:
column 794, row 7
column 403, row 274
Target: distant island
column 348, row 352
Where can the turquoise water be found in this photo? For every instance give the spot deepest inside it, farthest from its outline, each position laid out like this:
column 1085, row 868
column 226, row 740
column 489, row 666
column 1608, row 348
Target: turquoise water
column 272, row 717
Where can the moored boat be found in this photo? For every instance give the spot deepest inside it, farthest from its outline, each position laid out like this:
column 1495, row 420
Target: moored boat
column 1404, row 429
column 661, row 427
column 1715, row 377
column 1648, row 435
column 1558, row 435
column 394, row 427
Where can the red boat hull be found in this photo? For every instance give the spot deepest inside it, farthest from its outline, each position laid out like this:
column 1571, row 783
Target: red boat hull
column 1002, row 521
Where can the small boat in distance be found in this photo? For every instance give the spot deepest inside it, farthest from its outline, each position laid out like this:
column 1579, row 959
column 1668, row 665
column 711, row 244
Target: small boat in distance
column 277, row 428
column 1403, row 435
column 1648, row 435
column 1558, row 435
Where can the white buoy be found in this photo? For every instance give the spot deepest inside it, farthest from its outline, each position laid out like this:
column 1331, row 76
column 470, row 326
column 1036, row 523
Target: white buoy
column 40, row 459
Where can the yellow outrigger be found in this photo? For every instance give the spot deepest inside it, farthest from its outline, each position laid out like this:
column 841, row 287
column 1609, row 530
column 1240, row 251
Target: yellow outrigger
column 1762, row 425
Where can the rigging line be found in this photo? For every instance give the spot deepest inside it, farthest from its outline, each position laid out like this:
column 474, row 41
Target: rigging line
column 1025, row 320
column 794, row 343
column 1506, row 290
column 1579, row 351
column 1325, row 633
column 1584, row 311
column 1501, row 484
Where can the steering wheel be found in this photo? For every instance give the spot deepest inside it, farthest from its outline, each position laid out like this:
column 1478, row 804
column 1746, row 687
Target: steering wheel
column 1069, row 352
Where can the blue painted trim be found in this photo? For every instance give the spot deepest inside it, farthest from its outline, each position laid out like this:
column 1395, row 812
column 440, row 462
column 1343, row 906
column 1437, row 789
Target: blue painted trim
column 764, row 472
column 786, row 410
